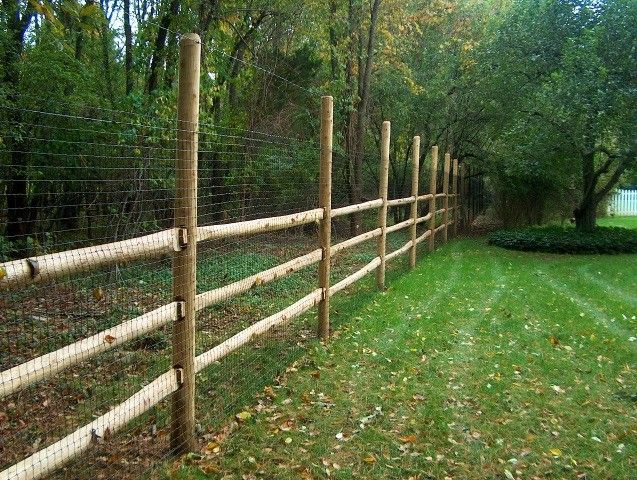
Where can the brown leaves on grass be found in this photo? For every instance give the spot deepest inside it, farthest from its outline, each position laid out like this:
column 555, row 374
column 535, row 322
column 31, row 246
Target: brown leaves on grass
column 371, row 459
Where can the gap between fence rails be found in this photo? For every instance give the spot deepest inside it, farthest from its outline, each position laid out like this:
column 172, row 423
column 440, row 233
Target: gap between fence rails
column 46, row 365
column 182, row 241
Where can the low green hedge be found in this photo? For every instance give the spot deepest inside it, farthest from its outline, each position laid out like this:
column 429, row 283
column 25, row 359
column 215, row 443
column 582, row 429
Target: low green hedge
column 567, row 240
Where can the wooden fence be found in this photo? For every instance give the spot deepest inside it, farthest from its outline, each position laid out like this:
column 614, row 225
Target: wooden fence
column 181, row 241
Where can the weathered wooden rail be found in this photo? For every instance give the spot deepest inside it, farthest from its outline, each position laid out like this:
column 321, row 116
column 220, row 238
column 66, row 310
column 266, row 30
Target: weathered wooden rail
column 177, row 241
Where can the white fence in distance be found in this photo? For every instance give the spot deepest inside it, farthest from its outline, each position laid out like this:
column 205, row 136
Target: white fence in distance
column 623, row 202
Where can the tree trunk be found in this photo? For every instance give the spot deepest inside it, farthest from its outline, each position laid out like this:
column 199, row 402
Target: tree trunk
column 356, row 127
column 106, row 62
column 18, row 225
column 128, row 48
column 586, row 217
column 585, row 213
column 157, row 61
column 333, row 39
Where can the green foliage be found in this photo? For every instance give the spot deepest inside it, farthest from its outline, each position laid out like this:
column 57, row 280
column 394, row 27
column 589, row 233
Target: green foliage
column 561, row 101
column 552, row 239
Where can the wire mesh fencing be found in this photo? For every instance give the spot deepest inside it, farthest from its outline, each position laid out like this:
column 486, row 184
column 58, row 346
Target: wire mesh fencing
column 141, row 252
column 78, row 178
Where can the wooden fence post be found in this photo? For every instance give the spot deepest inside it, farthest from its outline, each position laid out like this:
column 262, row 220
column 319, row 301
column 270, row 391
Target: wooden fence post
column 415, row 172
column 432, row 202
column 461, row 191
column 382, row 193
column 182, row 429
column 445, row 199
column 456, row 217
column 325, row 202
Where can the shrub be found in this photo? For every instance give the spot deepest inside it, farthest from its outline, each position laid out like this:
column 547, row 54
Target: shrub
column 609, row 240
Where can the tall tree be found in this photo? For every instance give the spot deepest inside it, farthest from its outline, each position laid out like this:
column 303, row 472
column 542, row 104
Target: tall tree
column 17, row 18
column 359, row 75
column 158, row 56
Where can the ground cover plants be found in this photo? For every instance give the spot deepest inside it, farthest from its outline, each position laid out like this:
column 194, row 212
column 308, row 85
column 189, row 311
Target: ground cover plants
column 616, row 236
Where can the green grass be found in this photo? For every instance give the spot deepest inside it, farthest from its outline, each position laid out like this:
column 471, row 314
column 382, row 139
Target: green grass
column 626, row 222
column 481, row 363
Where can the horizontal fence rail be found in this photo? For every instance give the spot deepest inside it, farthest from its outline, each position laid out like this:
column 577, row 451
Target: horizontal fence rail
column 45, row 366
column 176, row 241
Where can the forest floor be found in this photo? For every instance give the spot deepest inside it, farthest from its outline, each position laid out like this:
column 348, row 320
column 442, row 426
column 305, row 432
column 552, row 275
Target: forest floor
column 481, row 363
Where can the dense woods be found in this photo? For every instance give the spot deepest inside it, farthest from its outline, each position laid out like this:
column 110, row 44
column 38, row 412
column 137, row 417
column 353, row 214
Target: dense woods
column 540, row 95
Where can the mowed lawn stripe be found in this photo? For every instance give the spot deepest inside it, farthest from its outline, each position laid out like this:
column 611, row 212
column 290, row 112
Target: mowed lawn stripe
column 521, row 406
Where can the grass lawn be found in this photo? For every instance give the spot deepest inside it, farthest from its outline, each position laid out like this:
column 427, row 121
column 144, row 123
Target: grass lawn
column 626, row 222
column 481, row 363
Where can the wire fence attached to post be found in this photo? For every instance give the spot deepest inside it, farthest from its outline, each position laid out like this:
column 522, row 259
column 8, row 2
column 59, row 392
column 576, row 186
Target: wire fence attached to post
column 129, row 242
column 415, row 174
column 433, row 175
column 382, row 193
column 182, row 431
column 325, row 224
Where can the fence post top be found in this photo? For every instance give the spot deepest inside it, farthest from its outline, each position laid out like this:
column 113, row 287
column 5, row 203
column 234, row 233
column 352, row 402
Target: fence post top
column 190, row 39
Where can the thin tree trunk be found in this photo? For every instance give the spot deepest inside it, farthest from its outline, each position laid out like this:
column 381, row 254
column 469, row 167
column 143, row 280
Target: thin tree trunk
column 108, row 77
column 333, row 39
column 18, row 225
column 357, row 127
column 128, row 48
column 158, row 57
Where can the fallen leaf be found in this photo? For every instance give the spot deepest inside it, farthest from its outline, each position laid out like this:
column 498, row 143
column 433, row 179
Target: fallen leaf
column 98, row 294
column 212, row 447
column 408, row 439
column 3, row 273
column 243, row 416
column 554, row 340
column 509, row 475
column 109, row 339
column 557, row 389
column 369, row 459
column 556, row 452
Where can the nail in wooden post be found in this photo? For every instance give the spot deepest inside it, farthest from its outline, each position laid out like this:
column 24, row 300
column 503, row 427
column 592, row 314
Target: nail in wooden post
column 325, row 202
column 445, row 199
column 382, row 193
column 182, row 429
column 456, row 217
column 432, row 202
column 415, row 172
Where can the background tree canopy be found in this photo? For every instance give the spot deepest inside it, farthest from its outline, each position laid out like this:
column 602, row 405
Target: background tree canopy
column 539, row 94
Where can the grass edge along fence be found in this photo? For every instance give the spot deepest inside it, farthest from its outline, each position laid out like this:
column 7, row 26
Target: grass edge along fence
column 181, row 241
